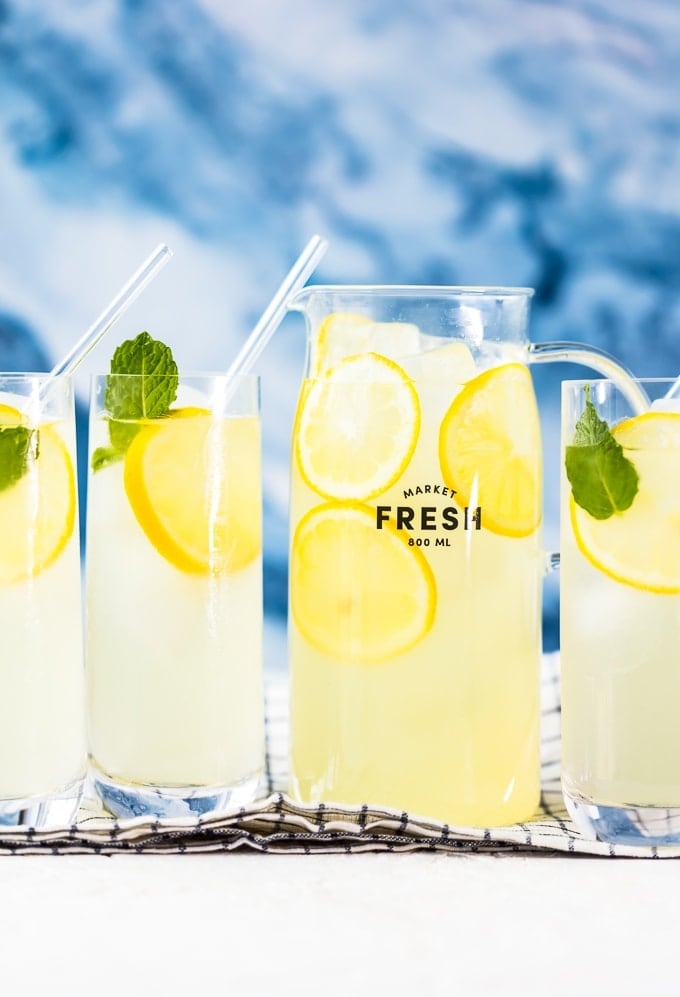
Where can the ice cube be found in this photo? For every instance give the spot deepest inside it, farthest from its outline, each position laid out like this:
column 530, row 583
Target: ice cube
column 393, row 339
column 449, row 364
column 473, row 324
column 665, row 405
column 346, row 334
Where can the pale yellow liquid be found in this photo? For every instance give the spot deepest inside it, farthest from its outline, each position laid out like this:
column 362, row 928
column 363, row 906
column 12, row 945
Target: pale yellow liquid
column 620, row 681
column 448, row 729
column 42, row 677
column 174, row 659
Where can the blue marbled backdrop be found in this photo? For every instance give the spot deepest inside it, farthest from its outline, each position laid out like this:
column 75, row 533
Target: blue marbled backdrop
column 442, row 141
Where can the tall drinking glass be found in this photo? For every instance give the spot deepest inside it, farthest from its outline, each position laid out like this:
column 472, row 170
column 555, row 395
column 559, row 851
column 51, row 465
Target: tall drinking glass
column 174, row 599
column 42, row 680
column 620, row 613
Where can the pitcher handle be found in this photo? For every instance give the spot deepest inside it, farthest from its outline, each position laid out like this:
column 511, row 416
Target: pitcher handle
column 597, row 359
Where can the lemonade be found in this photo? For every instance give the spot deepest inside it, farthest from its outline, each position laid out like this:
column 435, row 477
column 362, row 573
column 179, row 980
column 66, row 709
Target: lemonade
column 42, row 715
column 620, row 611
column 174, row 603
column 415, row 573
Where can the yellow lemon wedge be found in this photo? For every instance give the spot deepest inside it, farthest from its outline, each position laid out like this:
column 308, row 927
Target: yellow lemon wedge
column 490, row 449
column 358, row 594
column 38, row 511
column 193, row 482
column 641, row 546
column 356, row 428
column 10, row 416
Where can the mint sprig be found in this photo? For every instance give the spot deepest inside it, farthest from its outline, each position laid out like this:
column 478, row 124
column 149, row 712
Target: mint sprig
column 603, row 480
column 18, row 448
column 129, row 399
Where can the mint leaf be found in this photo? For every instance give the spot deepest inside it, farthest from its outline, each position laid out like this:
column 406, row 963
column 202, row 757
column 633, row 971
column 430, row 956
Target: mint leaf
column 149, row 395
column 603, row 481
column 590, row 430
column 18, row 447
column 105, row 455
column 122, row 434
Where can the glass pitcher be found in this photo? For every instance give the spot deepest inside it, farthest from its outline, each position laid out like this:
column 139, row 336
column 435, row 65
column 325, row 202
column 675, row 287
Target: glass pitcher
column 416, row 558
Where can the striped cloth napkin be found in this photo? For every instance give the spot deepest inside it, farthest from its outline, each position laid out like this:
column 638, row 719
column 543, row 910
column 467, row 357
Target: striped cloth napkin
column 275, row 823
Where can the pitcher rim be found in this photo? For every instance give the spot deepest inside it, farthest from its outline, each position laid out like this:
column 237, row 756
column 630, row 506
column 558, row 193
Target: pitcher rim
column 415, row 290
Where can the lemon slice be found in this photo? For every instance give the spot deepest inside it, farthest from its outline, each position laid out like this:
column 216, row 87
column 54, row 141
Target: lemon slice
column 641, row 546
column 344, row 334
column 10, row 416
column 358, row 594
column 193, row 482
column 37, row 512
column 490, row 446
column 356, row 428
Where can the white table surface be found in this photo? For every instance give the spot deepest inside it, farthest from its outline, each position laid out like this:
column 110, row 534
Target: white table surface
column 326, row 925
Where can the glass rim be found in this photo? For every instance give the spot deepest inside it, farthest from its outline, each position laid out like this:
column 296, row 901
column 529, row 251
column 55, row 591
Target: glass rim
column 581, row 382
column 33, row 375
column 197, row 375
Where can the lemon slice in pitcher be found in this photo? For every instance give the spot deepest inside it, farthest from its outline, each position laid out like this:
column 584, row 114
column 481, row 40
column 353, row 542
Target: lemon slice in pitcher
column 490, row 449
column 193, row 482
column 38, row 510
column 358, row 593
column 641, row 546
column 356, row 428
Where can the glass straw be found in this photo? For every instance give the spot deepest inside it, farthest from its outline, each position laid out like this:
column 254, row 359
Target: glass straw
column 674, row 389
column 127, row 294
column 268, row 322
column 151, row 266
column 303, row 267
